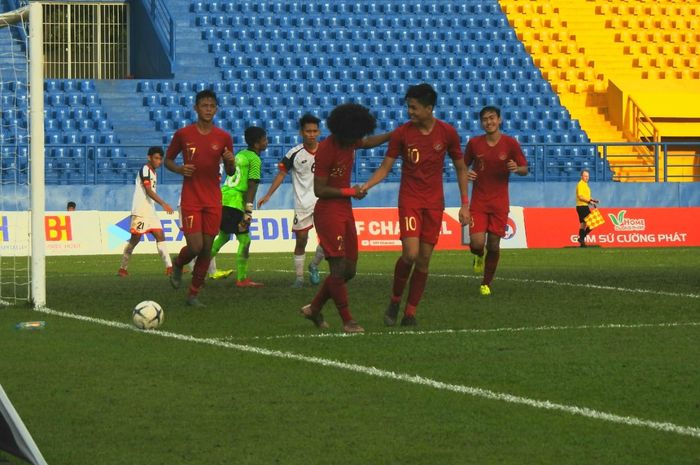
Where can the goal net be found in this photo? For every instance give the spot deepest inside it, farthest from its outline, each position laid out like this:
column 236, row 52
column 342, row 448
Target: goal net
column 22, row 267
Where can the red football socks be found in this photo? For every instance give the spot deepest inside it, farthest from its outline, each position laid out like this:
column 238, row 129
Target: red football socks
column 402, row 270
column 321, row 296
column 339, row 293
column 416, row 288
column 199, row 273
column 490, row 265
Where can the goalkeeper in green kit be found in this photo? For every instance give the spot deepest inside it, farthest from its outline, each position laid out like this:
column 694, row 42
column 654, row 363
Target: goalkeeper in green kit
column 238, row 196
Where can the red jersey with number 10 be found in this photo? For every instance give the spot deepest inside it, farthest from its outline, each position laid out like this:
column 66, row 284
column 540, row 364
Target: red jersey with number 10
column 423, row 158
column 490, row 189
column 204, row 151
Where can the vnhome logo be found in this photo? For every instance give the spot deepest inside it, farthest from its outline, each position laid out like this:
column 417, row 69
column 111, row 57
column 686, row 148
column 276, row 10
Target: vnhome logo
column 627, row 224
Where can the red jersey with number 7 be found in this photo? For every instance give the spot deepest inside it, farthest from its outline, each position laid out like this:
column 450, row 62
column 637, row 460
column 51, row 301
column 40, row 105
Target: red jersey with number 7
column 423, row 158
column 490, row 189
column 205, row 152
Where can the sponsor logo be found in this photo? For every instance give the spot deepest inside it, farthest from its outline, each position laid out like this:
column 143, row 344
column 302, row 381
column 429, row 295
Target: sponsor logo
column 58, row 228
column 119, row 232
column 337, row 171
column 4, row 230
column 621, row 223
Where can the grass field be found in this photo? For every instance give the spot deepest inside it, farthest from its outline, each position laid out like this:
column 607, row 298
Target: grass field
column 579, row 357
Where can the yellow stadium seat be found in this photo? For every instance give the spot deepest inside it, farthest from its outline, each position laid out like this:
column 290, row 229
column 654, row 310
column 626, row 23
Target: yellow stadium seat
column 613, row 23
column 663, row 23
column 524, row 8
column 667, row 49
column 623, row 36
column 685, row 74
column 693, row 62
column 632, row 49
column 652, row 10
column 641, row 61
column 535, row 22
column 526, row 35
column 603, row 10
column 674, row 36
column 543, row 35
column 645, row 23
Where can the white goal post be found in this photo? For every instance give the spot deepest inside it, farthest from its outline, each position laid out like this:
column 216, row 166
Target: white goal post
column 33, row 77
column 36, row 144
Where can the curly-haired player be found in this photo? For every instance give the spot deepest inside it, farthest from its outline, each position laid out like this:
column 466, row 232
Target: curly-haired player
column 349, row 124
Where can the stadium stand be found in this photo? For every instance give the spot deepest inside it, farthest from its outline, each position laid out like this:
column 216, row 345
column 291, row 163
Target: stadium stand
column 562, row 72
column 618, row 67
column 278, row 60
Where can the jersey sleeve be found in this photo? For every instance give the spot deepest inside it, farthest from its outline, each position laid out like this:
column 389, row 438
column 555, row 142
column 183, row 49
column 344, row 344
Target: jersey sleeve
column 175, row 146
column 228, row 144
column 145, row 176
column 517, row 153
column 286, row 164
column 454, row 149
column 396, row 146
column 469, row 152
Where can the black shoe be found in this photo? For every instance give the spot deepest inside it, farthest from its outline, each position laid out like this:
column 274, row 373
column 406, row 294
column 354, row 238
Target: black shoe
column 176, row 277
column 409, row 321
column 193, row 301
column 392, row 311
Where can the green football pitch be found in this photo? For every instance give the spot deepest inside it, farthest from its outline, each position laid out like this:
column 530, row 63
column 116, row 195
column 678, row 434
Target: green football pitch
column 580, row 356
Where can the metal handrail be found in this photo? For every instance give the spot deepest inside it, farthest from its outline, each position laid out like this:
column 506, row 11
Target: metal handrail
column 546, row 163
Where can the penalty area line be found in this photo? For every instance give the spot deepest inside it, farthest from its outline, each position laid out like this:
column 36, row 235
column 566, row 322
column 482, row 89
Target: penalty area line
column 551, row 282
column 413, row 379
column 521, row 329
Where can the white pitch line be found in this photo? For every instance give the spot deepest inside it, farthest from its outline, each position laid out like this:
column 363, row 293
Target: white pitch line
column 413, row 379
column 599, row 287
column 409, row 332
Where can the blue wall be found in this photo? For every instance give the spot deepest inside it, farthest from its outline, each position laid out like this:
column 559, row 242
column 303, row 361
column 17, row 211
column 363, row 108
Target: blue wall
column 148, row 58
column 551, row 194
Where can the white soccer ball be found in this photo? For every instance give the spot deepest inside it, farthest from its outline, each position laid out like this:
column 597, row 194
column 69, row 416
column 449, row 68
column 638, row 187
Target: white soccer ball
column 148, row 315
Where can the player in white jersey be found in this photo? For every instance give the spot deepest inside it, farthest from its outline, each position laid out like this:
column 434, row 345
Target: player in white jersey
column 143, row 212
column 300, row 161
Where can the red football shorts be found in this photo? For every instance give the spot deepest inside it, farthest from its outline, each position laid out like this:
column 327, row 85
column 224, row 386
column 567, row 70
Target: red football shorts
column 200, row 219
column 336, row 233
column 423, row 223
column 493, row 222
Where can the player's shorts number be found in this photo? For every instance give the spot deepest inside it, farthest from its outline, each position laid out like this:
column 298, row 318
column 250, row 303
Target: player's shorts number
column 190, row 220
column 341, row 243
column 139, row 226
column 410, row 223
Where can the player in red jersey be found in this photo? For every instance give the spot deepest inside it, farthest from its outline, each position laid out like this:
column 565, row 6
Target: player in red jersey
column 203, row 146
column 492, row 157
column 422, row 144
column 333, row 217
